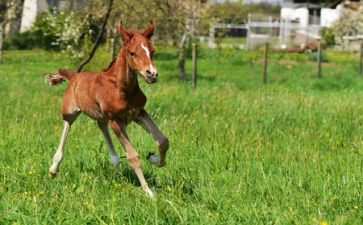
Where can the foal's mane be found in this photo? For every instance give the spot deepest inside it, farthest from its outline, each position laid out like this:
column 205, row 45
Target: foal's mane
column 110, row 65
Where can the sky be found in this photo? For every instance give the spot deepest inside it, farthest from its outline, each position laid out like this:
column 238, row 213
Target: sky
column 252, row 1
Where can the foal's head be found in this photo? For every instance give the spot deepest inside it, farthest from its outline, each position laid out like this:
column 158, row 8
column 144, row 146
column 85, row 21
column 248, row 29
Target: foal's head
column 139, row 52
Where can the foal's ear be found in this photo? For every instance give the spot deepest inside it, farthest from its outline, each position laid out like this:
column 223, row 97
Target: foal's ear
column 149, row 31
column 126, row 36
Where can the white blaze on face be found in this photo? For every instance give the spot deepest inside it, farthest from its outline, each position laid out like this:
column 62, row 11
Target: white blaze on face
column 151, row 67
column 146, row 50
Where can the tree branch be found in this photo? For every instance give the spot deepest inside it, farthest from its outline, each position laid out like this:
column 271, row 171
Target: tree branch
column 99, row 38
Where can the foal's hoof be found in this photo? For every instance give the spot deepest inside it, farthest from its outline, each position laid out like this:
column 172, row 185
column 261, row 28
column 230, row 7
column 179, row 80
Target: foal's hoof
column 148, row 192
column 52, row 175
column 154, row 159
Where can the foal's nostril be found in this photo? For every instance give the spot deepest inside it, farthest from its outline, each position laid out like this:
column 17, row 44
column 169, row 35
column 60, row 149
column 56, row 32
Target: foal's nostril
column 148, row 72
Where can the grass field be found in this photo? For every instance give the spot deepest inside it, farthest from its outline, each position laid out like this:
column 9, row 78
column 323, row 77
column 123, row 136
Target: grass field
column 290, row 152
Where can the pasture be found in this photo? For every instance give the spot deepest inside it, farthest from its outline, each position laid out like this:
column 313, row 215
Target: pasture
column 289, row 152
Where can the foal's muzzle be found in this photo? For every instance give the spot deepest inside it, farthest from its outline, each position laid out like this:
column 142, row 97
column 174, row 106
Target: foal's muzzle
column 151, row 76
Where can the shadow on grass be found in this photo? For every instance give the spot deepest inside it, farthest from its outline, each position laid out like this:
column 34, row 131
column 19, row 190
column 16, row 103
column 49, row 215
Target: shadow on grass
column 130, row 175
column 127, row 174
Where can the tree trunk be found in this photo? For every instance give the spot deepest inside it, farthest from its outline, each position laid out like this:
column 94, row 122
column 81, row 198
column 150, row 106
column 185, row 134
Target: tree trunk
column 181, row 65
column 1, row 42
column 99, row 38
column 181, row 57
column 14, row 15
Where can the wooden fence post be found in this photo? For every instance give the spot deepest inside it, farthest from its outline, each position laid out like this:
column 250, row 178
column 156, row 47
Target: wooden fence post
column 194, row 65
column 265, row 61
column 361, row 59
column 319, row 59
column 249, row 32
column 1, row 42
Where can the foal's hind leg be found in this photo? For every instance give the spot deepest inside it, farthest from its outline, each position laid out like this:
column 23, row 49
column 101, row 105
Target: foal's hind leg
column 114, row 157
column 58, row 156
column 144, row 120
column 70, row 112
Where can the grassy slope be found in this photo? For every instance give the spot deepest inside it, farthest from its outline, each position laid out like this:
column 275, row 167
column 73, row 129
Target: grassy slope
column 289, row 152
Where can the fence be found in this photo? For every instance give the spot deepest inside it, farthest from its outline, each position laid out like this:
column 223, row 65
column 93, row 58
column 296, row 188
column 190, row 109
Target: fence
column 277, row 32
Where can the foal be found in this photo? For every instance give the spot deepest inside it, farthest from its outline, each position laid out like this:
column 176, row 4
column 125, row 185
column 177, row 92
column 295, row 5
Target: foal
column 114, row 97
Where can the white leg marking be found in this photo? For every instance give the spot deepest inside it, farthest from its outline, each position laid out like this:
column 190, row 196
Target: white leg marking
column 58, row 156
column 148, row 191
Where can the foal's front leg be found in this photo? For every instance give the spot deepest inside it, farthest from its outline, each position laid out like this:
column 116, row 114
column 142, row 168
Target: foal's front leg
column 144, row 120
column 132, row 156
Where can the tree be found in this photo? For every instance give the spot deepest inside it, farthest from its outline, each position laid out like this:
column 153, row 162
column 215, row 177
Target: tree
column 98, row 41
column 176, row 20
column 7, row 9
column 350, row 23
column 3, row 10
column 13, row 16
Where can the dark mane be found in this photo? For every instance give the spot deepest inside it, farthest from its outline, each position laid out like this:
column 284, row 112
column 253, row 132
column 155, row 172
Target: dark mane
column 110, row 65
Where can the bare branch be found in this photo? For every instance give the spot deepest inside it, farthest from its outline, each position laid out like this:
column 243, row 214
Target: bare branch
column 99, row 38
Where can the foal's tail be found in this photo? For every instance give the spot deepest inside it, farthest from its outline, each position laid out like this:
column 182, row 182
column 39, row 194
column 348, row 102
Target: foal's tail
column 55, row 79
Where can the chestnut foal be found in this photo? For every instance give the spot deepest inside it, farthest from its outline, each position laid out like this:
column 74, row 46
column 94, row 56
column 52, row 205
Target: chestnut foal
column 114, row 97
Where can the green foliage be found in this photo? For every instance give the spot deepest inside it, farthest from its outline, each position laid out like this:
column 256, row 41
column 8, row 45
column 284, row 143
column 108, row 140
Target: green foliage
column 288, row 152
column 24, row 40
column 42, row 35
column 55, row 30
column 328, row 37
column 313, row 56
column 350, row 23
column 236, row 12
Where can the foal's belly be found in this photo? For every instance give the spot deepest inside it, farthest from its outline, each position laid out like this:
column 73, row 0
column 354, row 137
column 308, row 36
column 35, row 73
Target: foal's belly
column 97, row 112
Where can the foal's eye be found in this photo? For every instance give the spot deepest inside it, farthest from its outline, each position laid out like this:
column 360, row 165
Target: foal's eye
column 132, row 54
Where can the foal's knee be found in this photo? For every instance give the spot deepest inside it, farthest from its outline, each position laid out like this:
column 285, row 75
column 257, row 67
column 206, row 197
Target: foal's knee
column 134, row 161
column 164, row 144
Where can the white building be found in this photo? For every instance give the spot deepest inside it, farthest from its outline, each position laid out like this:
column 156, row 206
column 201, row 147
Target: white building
column 32, row 8
column 305, row 14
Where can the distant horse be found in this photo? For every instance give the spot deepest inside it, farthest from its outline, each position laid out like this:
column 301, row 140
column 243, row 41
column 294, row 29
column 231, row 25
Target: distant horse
column 114, row 97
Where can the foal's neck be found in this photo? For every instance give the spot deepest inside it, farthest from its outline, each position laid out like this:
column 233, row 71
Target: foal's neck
column 126, row 78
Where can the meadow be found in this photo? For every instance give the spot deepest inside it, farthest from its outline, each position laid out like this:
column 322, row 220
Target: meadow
column 289, row 152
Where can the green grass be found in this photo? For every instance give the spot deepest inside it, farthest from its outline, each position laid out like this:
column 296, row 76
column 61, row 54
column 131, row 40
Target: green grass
column 289, row 152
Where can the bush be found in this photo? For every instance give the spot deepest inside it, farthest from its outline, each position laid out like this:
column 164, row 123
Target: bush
column 328, row 37
column 57, row 31
column 20, row 41
column 313, row 56
column 41, row 35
